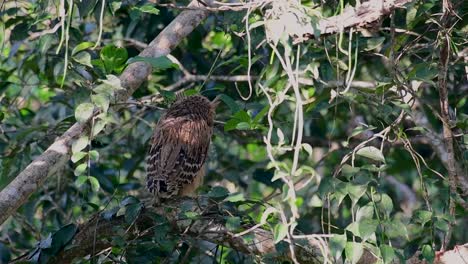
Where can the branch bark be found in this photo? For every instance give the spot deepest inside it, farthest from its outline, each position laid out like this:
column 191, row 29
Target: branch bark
column 56, row 156
column 444, row 56
column 366, row 14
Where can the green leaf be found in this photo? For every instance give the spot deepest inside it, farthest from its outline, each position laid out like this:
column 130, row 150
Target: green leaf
column 132, row 211
column 230, row 103
column 83, row 112
column 388, row 253
column 113, row 58
column 372, row 43
column 109, row 86
column 428, row 253
column 80, row 144
column 233, row 223
column 80, row 180
column 108, row 214
column 441, row 224
column 148, row 8
column 129, row 200
column 365, row 212
column 326, row 186
column 386, row 204
column 356, row 191
column 191, row 215
column 308, row 148
column 371, row 153
column 101, row 100
column 80, row 169
column 235, row 197
column 280, row 232
column 83, row 58
column 98, row 126
column 62, row 237
column 243, row 126
column 337, row 244
column 81, row 46
column 77, row 156
column 349, row 170
column 258, row 117
column 157, row 63
column 424, row 72
column 94, row 155
column 353, row 251
column 240, row 120
column 218, row 192
column 363, row 229
column 94, row 183
column 367, row 228
column 423, row 216
column 395, row 228
column 341, row 190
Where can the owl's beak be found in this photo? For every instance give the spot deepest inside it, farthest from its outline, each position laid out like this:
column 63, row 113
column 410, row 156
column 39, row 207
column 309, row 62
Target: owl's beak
column 216, row 101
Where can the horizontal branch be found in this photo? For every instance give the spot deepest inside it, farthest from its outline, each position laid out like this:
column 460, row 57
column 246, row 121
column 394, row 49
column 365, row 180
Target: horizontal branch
column 366, row 14
column 197, row 78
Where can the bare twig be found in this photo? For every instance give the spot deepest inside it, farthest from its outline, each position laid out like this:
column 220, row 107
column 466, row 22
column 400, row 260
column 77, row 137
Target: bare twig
column 35, row 35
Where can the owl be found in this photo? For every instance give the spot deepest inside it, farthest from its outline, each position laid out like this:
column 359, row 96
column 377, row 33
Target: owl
column 179, row 147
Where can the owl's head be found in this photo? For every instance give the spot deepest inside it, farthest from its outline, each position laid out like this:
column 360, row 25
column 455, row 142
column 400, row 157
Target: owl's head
column 195, row 107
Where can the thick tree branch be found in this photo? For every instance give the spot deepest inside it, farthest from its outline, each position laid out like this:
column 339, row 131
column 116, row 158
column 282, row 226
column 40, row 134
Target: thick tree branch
column 366, row 14
column 56, row 156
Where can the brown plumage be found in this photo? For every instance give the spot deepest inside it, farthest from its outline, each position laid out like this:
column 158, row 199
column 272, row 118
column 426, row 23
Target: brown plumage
column 179, row 147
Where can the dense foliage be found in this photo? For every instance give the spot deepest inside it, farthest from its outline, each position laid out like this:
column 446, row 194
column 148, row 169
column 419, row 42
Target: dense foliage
column 333, row 135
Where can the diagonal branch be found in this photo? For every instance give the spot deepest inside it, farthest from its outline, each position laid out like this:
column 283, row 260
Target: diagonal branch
column 56, row 156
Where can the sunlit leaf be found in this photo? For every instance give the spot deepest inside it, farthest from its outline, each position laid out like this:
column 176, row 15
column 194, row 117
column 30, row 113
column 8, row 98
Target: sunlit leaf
column 353, row 251
column 280, row 232
column 388, row 253
column 94, row 183
column 94, row 155
column 77, row 156
column 423, row 216
column 80, row 144
column 80, row 169
column 101, row 100
column 80, row 180
column 83, row 112
column 371, row 153
column 337, row 244
column 428, row 253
